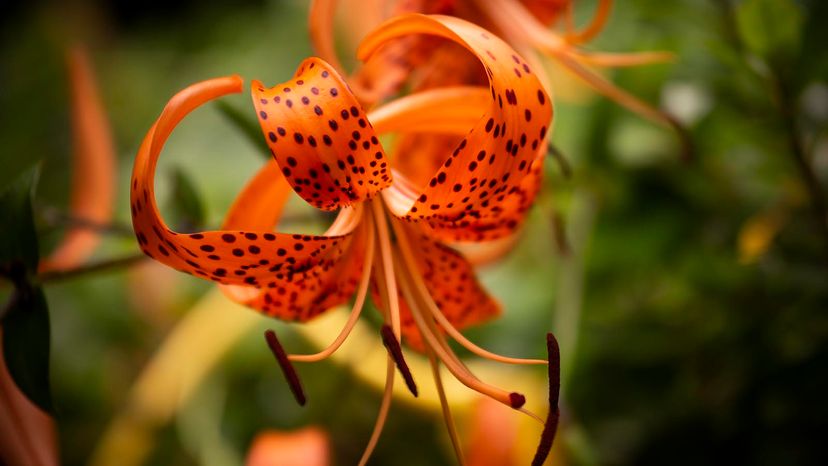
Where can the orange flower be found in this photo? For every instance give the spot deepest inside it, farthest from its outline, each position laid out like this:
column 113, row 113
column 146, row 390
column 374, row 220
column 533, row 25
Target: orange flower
column 93, row 167
column 522, row 23
column 390, row 231
column 306, row 447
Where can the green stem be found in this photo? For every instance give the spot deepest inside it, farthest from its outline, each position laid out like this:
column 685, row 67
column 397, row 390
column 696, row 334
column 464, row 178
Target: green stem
column 90, row 268
column 569, row 306
column 57, row 219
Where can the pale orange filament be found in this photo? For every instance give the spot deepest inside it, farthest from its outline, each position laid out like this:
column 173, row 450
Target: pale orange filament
column 594, row 27
column 359, row 302
column 383, row 413
column 434, row 338
column 452, row 430
column 520, row 26
column 619, row 60
column 445, row 354
column 389, row 293
column 381, row 224
column 437, row 314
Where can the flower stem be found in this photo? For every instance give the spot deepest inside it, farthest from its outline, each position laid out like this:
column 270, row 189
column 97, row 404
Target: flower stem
column 90, row 268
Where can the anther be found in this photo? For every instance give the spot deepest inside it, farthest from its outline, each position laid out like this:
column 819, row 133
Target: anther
column 551, row 425
column 287, row 368
column 393, row 347
column 516, row 400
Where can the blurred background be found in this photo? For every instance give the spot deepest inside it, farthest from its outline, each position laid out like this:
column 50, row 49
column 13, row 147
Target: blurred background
column 689, row 295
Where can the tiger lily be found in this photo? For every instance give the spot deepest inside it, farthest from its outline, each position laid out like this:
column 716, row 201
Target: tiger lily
column 390, row 231
column 524, row 24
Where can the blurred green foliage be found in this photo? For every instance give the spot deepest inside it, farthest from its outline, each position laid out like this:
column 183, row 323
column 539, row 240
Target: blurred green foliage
column 677, row 349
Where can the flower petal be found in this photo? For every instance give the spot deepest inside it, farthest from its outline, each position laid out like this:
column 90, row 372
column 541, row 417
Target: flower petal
column 259, row 207
column 451, row 283
column 321, row 138
column 254, row 257
column 307, row 447
column 93, row 166
column 467, row 198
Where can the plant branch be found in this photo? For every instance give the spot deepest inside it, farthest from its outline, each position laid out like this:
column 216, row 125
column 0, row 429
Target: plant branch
column 92, row 267
column 797, row 150
column 55, row 218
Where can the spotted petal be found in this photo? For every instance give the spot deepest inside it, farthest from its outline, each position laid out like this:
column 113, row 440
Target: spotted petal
column 320, row 137
column 477, row 192
column 450, row 282
column 259, row 207
column 253, row 257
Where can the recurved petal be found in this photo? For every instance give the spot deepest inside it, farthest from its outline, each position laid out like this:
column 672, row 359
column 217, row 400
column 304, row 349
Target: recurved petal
column 321, row 138
column 93, row 166
column 468, row 198
column 289, row 297
column 254, row 257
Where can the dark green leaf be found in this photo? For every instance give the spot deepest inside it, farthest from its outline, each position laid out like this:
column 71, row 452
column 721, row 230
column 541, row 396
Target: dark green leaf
column 186, row 202
column 26, row 344
column 18, row 239
column 247, row 125
column 770, row 28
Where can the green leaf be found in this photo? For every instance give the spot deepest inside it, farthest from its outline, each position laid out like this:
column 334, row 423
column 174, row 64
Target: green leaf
column 247, row 125
column 18, row 239
column 26, row 317
column 770, row 28
column 186, row 202
column 26, row 341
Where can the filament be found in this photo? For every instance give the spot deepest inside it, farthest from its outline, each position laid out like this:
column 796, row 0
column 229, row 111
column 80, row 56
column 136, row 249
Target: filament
column 435, row 311
column 356, row 310
column 381, row 224
column 452, row 429
column 594, row 27
column 385, row 405
column 462, row 374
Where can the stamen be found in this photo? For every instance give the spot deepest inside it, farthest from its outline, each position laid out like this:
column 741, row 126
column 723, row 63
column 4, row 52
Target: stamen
column 594, row 27
column 356, row 310
column 383, row 413
column 408, row 260
column 393, row 304
column 444, row 353
column 452, row 430
column 551, row 426
column 517, row 400
column 287, row 368
column 394, row 350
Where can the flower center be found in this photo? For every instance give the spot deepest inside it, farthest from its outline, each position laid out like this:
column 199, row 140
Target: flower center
column 390, row 259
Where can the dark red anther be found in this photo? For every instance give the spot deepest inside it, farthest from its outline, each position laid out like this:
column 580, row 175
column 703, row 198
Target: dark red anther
column 551, row 425
column 287, row 368
column 393, row 347
column 516, row 400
